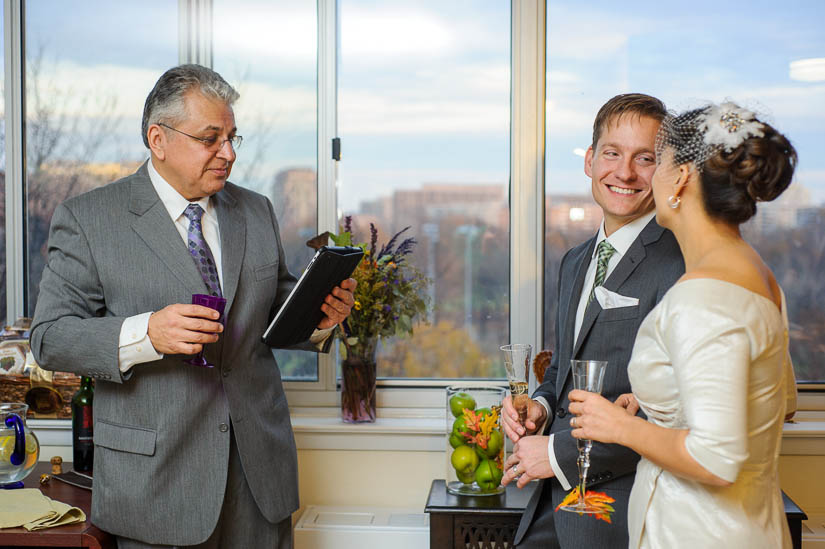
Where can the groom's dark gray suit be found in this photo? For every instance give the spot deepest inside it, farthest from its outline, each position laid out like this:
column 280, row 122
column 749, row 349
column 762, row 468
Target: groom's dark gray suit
column 650, row 267
column 162, row 435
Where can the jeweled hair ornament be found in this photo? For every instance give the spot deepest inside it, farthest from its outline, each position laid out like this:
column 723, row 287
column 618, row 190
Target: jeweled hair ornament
column 695, row 135
column 728, row 125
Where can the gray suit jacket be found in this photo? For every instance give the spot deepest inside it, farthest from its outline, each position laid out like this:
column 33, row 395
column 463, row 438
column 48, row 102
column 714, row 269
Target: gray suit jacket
column 161, row 430
column 651, row 266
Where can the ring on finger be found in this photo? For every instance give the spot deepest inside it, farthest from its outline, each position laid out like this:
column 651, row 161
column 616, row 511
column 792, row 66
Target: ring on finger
column 573, row 422
column 515, row 470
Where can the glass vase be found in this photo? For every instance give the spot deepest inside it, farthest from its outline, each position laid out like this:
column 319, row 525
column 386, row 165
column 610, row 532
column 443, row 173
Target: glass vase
column 474, row 441
column 358, row 376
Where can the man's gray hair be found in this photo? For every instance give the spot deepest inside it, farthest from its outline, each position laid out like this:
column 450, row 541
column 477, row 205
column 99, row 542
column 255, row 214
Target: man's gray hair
column 165, row 103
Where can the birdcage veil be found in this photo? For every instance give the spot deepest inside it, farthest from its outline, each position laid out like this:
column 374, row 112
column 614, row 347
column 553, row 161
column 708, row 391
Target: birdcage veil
column 696, row 134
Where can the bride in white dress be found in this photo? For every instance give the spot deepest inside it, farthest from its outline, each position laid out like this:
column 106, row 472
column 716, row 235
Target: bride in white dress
column 710, row 365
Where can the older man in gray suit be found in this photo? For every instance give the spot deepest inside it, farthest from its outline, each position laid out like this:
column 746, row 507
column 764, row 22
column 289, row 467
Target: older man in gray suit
column 607, row 285
column 184, row 455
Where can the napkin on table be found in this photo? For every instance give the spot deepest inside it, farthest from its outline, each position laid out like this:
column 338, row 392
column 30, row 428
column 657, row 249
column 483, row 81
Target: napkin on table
column 29, row 508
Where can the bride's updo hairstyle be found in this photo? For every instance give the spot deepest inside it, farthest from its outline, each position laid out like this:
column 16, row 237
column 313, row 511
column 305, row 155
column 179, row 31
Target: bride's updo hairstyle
column 740, row 160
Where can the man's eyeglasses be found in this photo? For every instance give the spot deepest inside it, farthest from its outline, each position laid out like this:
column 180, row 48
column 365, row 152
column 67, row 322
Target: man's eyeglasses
column 211, row 143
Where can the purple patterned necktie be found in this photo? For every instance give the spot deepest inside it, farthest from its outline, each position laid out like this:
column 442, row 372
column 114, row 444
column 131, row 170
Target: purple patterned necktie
column 200, row 251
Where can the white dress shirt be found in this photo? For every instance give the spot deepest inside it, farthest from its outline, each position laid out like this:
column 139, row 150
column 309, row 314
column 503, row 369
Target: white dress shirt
column 621, row 240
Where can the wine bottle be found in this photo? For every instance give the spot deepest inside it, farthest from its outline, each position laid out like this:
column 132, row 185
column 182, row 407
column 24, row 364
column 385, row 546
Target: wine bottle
column 82, row 424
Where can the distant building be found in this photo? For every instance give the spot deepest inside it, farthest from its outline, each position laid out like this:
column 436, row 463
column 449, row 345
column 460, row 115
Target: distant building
column 293, row 196
column 810, row 217
column 782, row 213
column 456, row 227
column 380, row 208
column 571, row 212
column 478, row 204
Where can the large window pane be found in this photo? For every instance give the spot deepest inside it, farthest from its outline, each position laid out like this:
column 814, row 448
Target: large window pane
column 757, row 53
column 267, row 50
column 89, row 67
column 424, row 98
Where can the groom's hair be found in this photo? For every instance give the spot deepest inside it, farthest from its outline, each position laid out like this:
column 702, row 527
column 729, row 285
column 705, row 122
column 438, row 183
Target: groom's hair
column 637, row 104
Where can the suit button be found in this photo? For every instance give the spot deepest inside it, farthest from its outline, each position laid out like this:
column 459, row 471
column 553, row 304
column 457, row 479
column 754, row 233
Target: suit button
column 561, row 412
column 226, row 373
column 223, row 427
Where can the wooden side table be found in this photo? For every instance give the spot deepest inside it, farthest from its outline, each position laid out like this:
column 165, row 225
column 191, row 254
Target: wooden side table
column 457, row 522
column 72, row 535
column 475, row 521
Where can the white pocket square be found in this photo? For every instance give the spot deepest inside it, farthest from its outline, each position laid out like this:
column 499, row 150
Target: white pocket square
column 612, row 300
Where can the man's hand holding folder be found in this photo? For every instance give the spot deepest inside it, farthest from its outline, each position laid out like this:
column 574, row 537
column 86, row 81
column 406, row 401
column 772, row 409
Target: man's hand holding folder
column 322, row 297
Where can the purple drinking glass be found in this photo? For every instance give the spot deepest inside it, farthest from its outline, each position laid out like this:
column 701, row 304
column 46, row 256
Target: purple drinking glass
column 213, row 302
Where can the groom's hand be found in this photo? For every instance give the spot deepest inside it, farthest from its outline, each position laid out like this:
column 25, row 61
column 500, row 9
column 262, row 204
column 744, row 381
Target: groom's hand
column 536, row 416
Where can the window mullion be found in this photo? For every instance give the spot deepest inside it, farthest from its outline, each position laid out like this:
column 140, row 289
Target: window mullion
column 195, row 32
column 327, row 100
column 527, row 172
column 15, row 72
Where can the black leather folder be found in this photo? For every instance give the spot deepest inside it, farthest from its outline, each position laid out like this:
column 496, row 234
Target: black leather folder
column 301, row 312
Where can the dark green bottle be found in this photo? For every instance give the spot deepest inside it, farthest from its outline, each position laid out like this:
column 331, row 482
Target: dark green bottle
column 83, row 447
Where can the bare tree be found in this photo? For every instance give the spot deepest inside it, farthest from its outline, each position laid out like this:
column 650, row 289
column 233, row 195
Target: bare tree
column 61, row 144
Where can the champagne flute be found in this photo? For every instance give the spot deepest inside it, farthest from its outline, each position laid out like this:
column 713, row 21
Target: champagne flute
column 517, row 364
column 588, row 375
column 213, row 302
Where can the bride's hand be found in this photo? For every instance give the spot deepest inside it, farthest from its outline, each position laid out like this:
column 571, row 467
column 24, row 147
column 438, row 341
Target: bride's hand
column 596, row 418
column 629, row 403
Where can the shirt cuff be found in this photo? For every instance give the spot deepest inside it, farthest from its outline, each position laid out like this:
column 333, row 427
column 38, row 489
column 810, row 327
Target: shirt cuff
column 555, row 465
column 134, row 345
column 543, row 402
column 319, row 336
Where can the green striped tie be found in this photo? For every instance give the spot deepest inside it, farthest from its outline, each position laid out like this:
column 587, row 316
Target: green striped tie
column 603, row 254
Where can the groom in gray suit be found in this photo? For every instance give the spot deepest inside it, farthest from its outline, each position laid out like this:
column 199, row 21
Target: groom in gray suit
column 606, row 287
column 184, row 455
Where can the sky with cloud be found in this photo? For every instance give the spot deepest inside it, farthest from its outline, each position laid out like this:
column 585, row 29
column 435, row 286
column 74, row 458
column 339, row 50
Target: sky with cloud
column 424, row 86
column 684, row 53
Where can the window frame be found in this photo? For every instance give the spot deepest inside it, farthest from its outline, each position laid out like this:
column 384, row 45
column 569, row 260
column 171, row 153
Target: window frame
column 404, row 397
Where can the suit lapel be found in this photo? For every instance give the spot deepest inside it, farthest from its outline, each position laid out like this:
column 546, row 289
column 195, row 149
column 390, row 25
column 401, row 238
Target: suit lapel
column 233, row 242
column 635, row 254
column 581, row 264
column 158, row 231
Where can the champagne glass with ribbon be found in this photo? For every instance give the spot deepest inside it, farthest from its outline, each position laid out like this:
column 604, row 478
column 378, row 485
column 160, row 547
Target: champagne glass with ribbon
column 517, row 364
column 588, row 375
column 213, row 302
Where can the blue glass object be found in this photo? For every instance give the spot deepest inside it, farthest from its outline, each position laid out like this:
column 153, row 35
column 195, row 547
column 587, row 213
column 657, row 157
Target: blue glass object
column 19, row 451
column 19, row 448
